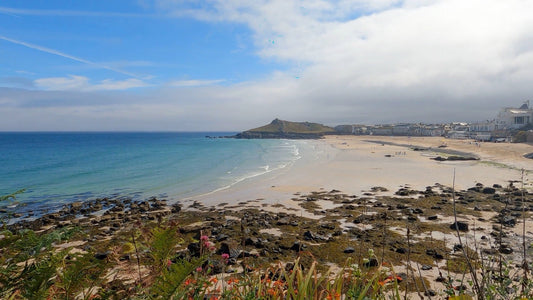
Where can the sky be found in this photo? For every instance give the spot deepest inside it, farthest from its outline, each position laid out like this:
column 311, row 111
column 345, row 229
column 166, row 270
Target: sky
column 232, row 65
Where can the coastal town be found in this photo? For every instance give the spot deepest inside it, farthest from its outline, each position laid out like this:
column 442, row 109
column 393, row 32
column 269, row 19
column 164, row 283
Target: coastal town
column 500, row 129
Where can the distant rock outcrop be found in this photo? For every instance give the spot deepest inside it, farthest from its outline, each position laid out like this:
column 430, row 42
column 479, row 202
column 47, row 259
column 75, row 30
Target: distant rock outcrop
column 279, row 129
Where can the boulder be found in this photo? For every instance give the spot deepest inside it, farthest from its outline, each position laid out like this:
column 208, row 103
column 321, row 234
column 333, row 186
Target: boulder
column 461, row 226
column 349, row 250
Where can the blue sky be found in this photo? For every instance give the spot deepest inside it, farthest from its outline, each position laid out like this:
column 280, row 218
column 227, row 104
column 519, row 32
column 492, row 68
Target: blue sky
column 123, row 39
column 236, row 64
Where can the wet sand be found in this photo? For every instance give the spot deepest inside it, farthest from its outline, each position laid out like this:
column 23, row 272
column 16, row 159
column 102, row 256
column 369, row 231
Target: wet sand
column 355, row 164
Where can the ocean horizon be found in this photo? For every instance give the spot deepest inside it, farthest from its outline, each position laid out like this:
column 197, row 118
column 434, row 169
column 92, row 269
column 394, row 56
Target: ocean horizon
column 57, row 168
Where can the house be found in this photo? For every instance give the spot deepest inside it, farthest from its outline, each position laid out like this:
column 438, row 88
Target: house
column 514, row 118
column 481, row 131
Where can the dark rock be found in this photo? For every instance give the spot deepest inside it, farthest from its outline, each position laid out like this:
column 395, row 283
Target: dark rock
column 401, row 250
column 194, row 249
column 434, row 254
column 283, row 221
column 506, row 250
column 433, row 217
column 308, row 235
column 430, row 293
column 329, row 226
column 363, row 219
column 349, row 250
column 216, row 266
column 462, row 226
column 102, row 255
column 488, row 191
column 251, row 241
column 372, row 262
column 426, row 267
column 176, row 208
column 222, row 237
column 508, row 221
column 298, row 246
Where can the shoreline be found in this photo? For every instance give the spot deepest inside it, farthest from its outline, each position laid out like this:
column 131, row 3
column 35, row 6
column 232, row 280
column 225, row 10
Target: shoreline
column 355, row 164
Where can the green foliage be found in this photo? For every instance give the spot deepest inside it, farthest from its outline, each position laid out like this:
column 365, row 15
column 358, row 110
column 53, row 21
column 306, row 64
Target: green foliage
column 163, row 244
column 11, row 199
column 33, row 281
column 79, row 273
column 170, row 284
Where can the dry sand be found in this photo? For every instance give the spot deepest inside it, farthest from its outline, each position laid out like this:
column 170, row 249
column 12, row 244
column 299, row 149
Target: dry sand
column 354, row 164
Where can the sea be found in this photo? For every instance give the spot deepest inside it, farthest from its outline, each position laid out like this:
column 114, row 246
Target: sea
column 57, row 168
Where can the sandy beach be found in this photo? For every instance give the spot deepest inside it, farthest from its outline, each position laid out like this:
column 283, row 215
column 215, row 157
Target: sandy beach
column 344, row 196
column 355, row 164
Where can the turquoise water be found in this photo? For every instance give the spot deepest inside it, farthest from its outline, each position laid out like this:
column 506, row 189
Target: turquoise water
column 57, row 168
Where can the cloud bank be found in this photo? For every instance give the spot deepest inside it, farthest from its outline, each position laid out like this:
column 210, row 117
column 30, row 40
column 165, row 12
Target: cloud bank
column 355, row 61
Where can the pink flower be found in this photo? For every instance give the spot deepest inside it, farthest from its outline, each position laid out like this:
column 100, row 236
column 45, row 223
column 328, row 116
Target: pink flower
column 199, row 269
column 169, row 262
column 225, row 256
column 204, row 238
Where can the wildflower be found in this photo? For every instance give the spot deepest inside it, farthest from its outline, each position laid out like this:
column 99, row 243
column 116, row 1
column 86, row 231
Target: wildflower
column 169, row 263
column 199, row 269
column 189, row 281
column 233, row 280
column 213, row 280
column 213, row 298
column 204, row 238
column 271, row 292
column 225, row 256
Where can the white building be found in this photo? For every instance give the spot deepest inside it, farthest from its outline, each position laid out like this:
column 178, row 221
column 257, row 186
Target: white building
column 513, row 118
column 481, row 131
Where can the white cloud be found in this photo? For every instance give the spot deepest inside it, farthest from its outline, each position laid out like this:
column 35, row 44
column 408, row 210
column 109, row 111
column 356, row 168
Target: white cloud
column 81, row 83
column 400, row 51
column 360, row 61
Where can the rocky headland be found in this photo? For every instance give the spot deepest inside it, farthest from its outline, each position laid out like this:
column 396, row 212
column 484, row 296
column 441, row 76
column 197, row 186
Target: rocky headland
column 279, row 129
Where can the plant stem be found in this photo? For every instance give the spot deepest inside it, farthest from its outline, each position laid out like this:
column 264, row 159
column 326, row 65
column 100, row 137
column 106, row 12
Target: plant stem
column 479, row 290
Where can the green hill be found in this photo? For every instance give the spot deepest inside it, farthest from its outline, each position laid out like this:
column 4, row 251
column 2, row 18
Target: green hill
column 286, row 129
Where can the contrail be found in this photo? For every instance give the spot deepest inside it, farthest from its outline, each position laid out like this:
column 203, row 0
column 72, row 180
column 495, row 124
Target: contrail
column 59, row 53
column 71, row 13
